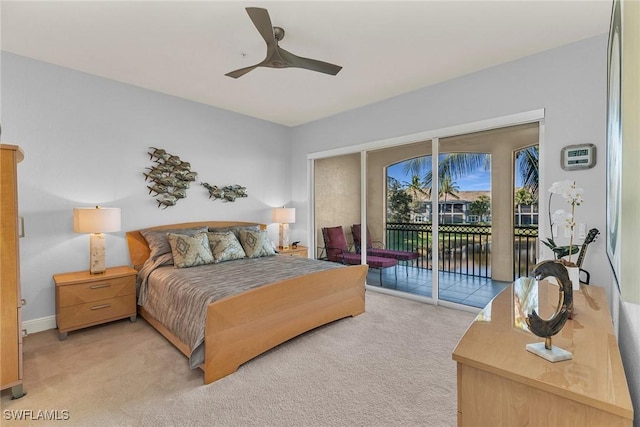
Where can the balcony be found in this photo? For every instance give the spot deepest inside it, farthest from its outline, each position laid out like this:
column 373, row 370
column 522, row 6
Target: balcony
column 464, row 261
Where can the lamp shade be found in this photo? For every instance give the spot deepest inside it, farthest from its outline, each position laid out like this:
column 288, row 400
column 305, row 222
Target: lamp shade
column 284, row 215
column 96, row 220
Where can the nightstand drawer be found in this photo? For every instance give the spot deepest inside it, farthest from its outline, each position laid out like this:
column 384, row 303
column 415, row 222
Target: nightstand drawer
column 300, row 251
column 81, row 293
column 96, row 312
column 299, row 254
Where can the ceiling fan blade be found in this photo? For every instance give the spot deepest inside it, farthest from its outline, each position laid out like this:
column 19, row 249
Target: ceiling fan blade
column 260, row 18
column 277, row 57
column 308, row 63
column 241, row 71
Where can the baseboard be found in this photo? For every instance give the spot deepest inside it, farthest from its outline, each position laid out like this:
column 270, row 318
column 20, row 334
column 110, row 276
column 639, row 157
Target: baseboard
column 39, row 325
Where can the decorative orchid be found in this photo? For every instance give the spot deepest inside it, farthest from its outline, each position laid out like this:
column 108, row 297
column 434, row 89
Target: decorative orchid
column 572, row 194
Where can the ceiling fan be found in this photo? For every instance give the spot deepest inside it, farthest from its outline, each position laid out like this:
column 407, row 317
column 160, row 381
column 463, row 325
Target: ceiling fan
column 276, row 56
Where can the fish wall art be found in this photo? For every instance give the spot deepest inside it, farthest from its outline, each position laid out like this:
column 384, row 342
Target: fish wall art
column 228, row 193
column 169, row 177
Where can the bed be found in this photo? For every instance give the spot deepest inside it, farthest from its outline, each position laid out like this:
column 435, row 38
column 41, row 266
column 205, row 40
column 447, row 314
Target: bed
column 242, row 323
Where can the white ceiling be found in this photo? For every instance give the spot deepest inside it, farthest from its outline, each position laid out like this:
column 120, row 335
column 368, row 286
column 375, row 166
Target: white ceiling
column 387, row 48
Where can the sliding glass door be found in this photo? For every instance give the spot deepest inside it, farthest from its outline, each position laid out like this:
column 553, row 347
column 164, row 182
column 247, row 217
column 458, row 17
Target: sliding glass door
column 444, row 205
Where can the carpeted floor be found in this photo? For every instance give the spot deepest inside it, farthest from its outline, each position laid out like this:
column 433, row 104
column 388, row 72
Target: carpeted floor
column 390, row 366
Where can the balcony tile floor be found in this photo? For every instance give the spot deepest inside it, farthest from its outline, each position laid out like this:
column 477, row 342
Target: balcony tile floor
column 454, row 287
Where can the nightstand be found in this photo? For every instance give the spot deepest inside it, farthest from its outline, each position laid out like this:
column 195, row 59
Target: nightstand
column 84, row 299
column 300, row 251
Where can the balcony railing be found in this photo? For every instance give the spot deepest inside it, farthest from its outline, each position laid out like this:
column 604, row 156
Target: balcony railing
column 462, row 248
column 525, row 250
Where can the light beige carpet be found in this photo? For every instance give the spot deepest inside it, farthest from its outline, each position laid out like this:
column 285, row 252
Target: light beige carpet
column 390, row 366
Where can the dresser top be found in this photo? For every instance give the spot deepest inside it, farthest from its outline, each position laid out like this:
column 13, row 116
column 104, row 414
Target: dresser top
column 495, row 342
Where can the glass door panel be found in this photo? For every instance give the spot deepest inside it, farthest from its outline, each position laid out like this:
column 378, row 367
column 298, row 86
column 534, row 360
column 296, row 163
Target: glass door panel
column 399, row 217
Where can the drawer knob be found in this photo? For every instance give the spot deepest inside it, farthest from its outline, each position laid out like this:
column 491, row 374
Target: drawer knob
column 98, row 307
column 100, row 286
column 23, row 301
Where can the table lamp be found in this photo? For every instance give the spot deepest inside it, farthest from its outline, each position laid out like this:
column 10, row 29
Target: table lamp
column 284, row 216
column 96, row 221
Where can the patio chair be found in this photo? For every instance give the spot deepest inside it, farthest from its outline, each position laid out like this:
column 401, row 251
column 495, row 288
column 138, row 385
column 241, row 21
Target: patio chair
column 404, row 256
column 336, row 248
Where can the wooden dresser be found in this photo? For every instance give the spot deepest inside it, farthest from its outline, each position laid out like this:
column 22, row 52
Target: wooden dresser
column 501, row 383
column 10, row 300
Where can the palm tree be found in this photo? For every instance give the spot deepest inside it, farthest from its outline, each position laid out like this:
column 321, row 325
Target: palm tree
column 523, row 197
column 447, row 187
column 415, row 187
column 453, row 165
column 527, row 159
column 415, row 190
column 456, row 165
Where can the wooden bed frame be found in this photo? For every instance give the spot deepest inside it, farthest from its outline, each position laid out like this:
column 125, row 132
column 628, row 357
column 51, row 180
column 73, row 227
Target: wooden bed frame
column 243, row 326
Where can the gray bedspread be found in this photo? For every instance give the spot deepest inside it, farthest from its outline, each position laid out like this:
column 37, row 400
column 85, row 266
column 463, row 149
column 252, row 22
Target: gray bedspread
column 178, row 297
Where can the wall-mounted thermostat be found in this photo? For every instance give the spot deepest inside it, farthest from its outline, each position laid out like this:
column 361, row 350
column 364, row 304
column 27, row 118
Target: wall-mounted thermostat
column 581, row 156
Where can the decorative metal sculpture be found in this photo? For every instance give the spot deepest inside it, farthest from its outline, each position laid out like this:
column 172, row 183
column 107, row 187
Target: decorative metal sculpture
column 170, row 177
column 227, row 194
column 548, row 328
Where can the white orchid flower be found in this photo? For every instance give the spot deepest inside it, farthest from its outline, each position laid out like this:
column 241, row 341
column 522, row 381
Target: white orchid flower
column 572, row 194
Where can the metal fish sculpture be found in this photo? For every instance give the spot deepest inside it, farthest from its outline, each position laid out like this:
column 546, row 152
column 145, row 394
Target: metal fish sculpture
column 169, row 181
column 153, row 175
column 179, row 194
column 234, row 191
column 166, row 200
column 186, row 174
column 182, row 184
column 190, row 176
column 158, row 189
column 239, row 190
column 170, row 177
column 184, row 166
column 214, row 191
column 162, row 167
column 174, row 160
column 158, row 153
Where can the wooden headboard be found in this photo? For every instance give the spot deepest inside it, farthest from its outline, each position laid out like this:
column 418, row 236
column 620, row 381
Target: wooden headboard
column 139, row 248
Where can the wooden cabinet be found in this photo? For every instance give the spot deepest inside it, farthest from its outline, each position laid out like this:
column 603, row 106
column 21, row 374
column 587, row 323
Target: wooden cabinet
column 300, row 251
column 10, row 300
column 84, row 299
column 501, row 383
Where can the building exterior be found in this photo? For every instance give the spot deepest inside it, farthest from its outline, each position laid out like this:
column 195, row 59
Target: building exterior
column 458, row 211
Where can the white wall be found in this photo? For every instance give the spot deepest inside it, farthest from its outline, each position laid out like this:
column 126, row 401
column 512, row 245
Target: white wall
column 85, row 141
column 569, row 83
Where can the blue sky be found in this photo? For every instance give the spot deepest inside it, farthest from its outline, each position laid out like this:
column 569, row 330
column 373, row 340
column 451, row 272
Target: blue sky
column 478, row 180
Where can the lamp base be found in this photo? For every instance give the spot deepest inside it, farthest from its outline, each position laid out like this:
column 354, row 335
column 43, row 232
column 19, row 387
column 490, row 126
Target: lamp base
column 284, row 236
column 96, row 253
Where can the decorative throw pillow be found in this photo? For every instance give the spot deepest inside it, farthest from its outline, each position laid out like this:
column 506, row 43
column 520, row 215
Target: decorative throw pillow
column 189, row 251
column 256, row 243
column 158, row 243
column 235, row 228
column 225, row 246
